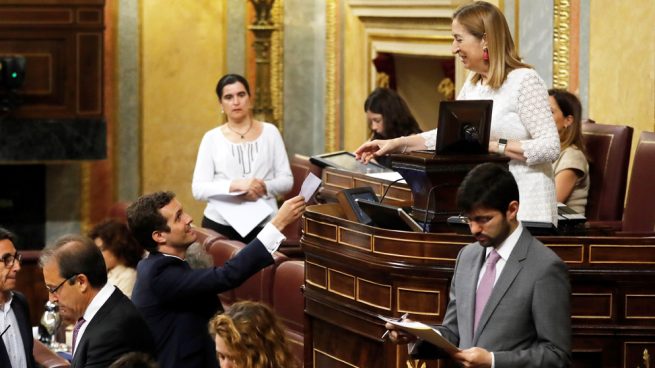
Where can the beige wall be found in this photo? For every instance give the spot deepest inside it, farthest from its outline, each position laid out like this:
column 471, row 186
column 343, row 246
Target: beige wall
column 417, row 79
column 183, row 56
column 355, row 81
column 622, row 64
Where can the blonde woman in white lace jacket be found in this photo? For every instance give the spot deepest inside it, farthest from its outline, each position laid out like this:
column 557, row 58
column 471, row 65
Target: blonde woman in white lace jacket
column 522, row 126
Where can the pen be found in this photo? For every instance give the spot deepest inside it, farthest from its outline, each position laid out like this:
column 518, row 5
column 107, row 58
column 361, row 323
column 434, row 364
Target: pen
column 386, row 333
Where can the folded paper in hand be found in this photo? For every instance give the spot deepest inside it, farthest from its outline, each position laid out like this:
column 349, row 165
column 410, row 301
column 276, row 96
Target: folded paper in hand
column 309, row 186
column 423, row 332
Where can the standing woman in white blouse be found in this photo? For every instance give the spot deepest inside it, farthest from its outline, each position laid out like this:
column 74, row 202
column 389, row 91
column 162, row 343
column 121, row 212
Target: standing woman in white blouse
column 522, row 126
column 243, row 155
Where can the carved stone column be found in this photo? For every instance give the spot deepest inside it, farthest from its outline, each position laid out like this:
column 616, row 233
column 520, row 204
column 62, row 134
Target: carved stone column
column 263, row 28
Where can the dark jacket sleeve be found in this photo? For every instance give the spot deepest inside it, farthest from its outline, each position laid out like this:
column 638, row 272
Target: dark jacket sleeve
column 181, row 282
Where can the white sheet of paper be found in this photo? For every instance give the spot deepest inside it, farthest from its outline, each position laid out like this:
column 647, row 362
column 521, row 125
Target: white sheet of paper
column 390, row 176
column 242, row 215
column 309, row 186
column 230, row 194
column 424, row 332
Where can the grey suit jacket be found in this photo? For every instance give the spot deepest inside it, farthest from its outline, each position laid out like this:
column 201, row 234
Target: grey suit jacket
column 526, row 322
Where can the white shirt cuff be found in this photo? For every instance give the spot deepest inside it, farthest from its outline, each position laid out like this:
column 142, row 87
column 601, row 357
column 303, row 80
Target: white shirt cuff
column 493, row 361
column 271, row 237
column 223, row 186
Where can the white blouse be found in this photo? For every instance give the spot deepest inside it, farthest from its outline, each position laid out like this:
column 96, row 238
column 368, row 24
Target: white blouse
column 521, row 112
column 123, row 278
column 220, row 162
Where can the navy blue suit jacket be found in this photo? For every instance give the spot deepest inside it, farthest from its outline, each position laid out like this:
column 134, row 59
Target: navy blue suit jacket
column 178, row 302
column 116, row 329
column 22, row 312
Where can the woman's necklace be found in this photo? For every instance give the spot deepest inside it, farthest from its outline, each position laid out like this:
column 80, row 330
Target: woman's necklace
column 242, row 135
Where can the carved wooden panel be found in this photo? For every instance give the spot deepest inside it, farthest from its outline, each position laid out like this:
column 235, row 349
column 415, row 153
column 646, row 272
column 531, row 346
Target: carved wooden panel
column 591, row 305
column 335, row 180
column 62, row 42
column 611, row 302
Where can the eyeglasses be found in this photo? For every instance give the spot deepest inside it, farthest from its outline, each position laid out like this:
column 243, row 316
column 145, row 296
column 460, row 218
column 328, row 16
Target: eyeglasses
column 9, row 259
column 54, row 290
column 480, row 220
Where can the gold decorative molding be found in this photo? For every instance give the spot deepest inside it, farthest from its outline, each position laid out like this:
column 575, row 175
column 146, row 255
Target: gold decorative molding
column 609, row 299
column 308, row 276
column 333, row 288
column 634, row 297
column 360, row 299
column 561, row 40
column 277, row 65
column 309, row 231
column 347, row 230
column 410, row 28
column 646, row 358
column 331, row 96
column 571, row 246
column 399, row 299
column 263, row 28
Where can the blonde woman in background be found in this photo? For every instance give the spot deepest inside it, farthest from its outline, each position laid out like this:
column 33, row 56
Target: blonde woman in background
column 249, row 335
column 522, row 126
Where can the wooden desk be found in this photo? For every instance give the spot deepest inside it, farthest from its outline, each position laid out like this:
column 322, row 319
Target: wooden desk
column 434, row 180
column 335, row 180
column 354, row 272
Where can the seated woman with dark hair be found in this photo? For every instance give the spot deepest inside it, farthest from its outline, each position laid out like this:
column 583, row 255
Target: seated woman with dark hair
column 388, row 117
column 571, row 168
column 249, row 335
column 120, row 251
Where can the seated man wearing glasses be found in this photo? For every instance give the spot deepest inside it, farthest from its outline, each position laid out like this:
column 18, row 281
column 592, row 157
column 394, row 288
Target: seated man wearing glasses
column 16, row 340
column 509, row 301
column 107, row 325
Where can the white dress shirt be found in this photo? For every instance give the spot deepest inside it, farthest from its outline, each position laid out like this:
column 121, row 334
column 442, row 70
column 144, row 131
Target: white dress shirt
column 504, row 250
column 98, row 301
column 11, row 336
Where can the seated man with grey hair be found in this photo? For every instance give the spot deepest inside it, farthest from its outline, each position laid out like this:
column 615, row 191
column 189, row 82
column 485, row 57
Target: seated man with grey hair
column 107, row 325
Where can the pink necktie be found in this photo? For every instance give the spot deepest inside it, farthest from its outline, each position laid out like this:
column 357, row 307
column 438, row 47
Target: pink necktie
column 76, row 329
column 486, row 286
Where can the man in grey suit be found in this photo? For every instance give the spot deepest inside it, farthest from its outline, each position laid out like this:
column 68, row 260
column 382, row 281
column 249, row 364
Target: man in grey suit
column 510, row 295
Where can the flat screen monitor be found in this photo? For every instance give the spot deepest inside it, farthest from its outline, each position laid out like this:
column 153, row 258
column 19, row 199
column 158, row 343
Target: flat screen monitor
column 346, row 161
column 463, row 127
column 388, row 217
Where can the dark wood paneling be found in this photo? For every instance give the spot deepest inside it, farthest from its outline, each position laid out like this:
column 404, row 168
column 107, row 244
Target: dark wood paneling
column 639, row 354
column 335, row 180
column 62, row 42
column 24, row 16
column 612, row 290
column 30, row 282
column 89, row 66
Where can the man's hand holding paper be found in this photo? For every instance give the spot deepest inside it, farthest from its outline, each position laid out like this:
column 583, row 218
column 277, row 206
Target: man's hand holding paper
column 405, row 331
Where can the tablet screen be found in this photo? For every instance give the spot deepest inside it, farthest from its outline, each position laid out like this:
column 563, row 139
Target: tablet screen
column 346, row 161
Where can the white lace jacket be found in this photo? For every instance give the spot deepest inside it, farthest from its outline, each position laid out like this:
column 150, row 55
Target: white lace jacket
column 521, row 112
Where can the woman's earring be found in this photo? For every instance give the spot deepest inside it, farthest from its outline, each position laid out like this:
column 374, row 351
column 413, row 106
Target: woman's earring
column 222, row 111
column 485, row 54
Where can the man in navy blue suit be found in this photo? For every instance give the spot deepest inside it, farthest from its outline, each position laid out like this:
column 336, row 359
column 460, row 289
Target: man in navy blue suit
column 177, row 301
column 16, row 340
